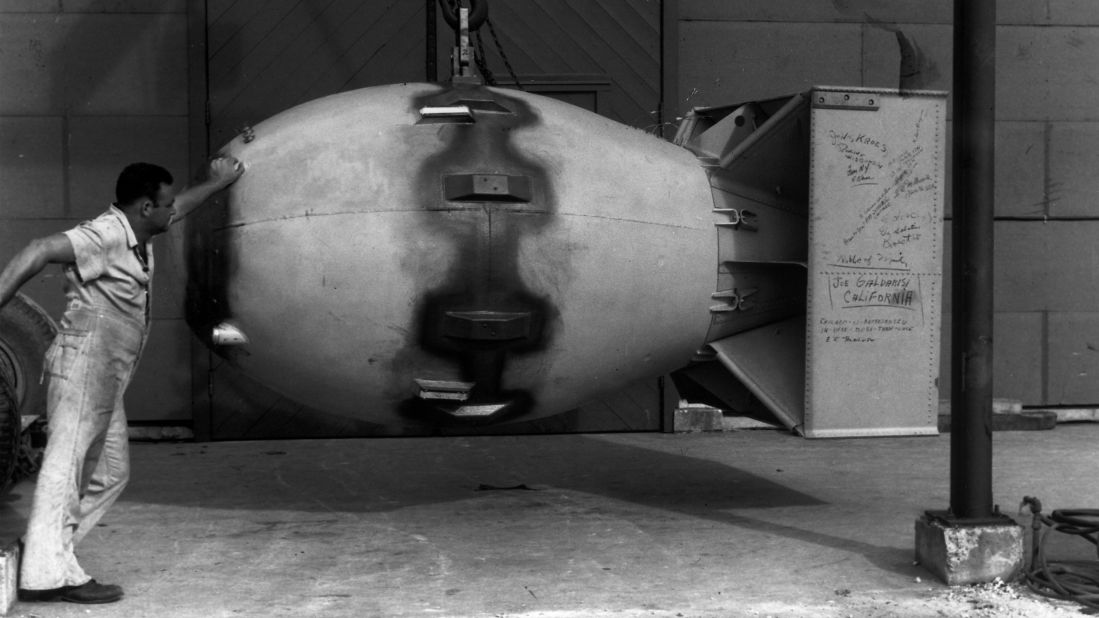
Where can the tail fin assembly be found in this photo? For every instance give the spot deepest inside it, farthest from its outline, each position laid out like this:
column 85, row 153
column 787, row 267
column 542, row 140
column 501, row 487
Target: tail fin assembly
column 828, row 212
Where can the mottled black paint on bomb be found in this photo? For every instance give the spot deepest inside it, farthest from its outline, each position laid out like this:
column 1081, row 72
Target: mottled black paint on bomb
column 486, row 236
column 208, row 267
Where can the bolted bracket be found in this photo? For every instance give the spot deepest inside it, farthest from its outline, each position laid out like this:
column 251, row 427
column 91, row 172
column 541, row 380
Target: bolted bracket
column 487, row 325
column 486, row 188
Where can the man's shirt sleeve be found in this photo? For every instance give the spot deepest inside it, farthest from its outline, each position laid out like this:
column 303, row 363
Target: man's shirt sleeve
column 92, row 243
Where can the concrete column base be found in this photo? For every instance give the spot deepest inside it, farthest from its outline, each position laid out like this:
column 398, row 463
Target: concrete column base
column 9, row 576
column 970, row 554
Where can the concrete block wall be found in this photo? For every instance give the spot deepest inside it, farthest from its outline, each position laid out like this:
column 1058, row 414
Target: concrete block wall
column 88, row 87
column 1046, row 319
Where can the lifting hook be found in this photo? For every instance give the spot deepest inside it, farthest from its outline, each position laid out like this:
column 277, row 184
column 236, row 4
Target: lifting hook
column 478, row 12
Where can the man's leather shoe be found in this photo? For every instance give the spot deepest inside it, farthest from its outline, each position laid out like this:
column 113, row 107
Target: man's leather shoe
column 91, row 592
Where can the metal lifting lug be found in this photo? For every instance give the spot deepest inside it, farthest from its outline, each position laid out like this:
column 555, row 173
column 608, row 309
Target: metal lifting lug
column 487, row 325
column 446, row 113
column 461, row 57
column 735, row 300
column 744, row 220
column 443, row 389
column 486, row 188
column 478, row 12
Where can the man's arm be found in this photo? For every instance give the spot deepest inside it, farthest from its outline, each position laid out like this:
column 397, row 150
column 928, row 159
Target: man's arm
column 222, row 172
column 31, row 260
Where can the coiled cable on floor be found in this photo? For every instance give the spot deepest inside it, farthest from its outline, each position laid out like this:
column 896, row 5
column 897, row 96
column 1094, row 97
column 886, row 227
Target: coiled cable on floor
column 1074, row 580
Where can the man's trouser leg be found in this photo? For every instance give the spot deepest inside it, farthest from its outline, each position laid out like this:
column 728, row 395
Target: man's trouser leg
column 108, row 462
column 89, row 366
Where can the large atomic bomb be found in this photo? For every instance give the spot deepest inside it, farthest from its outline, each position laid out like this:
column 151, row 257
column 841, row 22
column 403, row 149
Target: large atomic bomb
column 420, row 250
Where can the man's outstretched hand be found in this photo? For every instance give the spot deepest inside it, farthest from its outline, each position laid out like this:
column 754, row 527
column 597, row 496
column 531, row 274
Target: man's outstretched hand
column 225, row 170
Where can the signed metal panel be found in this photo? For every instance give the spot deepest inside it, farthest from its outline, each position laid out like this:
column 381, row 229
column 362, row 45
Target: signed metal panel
column 875, row 262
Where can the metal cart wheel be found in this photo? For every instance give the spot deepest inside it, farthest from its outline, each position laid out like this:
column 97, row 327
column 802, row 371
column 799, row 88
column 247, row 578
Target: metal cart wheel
column 26, row 332
column 10, row 430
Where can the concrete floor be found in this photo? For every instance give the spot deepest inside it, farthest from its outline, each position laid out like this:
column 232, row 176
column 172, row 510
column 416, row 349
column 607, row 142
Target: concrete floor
column 750, row 523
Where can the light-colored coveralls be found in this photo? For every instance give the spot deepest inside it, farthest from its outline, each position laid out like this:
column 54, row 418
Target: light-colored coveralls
column 87, row 460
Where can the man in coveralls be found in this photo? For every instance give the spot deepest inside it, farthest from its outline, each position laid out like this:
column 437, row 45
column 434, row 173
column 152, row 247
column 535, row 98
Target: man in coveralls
column 108, row 264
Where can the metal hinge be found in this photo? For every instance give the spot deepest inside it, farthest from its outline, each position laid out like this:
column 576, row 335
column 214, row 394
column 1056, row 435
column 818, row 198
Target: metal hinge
column 846, row 100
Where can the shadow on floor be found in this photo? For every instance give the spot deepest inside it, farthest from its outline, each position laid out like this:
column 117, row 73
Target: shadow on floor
column 378, row 476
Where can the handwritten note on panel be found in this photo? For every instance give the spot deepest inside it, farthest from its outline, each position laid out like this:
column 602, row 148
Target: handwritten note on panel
column 877, row 216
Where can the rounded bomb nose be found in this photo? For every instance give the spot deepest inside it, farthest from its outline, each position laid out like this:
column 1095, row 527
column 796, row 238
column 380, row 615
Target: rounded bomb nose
column 498, row 282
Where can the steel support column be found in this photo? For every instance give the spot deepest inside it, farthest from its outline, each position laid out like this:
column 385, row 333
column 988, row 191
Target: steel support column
column 971, row 345
column 431, row 69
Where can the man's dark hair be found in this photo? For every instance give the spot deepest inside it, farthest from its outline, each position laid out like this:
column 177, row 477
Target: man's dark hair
column 140, row 180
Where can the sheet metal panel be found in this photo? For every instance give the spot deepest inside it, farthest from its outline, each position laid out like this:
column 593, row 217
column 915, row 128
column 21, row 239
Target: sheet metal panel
column 770, row 361
column 876, row 184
